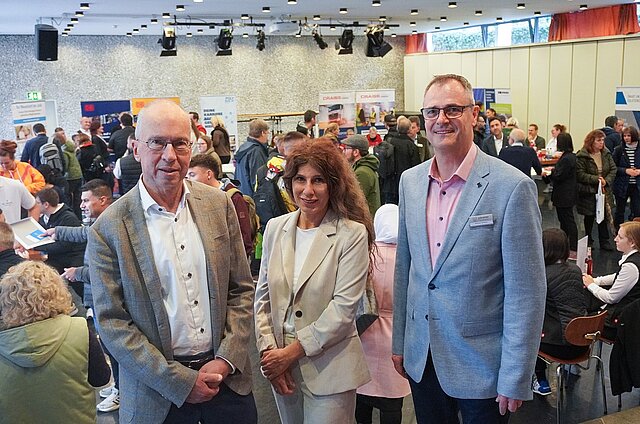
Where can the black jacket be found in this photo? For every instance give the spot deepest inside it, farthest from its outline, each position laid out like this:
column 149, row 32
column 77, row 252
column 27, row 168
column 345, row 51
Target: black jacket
column 612, row 138
column 267, row 197
column 118, row 141
column 563, row 177
column 63, row 254
column 130, row 171
column 405, row 156
column 587, row 178
column 489, row 146
column 522, row 157
column 621, row 183
column 8, row 258
column 624, row 362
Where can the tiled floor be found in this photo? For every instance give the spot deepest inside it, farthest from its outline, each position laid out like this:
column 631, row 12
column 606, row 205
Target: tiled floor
column 583, row 399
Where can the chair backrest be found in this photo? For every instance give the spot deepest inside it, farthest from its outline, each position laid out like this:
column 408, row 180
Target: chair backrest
column 582, row 331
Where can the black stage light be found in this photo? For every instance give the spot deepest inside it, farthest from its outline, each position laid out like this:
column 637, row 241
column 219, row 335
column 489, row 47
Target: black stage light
column 376, row 46
column 168, row 42
column 224, row 42
column 345, row 42
column 318, row 38
column 261, row 37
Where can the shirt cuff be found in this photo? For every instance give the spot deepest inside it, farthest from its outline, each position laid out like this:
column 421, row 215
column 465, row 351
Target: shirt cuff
column 233, row 368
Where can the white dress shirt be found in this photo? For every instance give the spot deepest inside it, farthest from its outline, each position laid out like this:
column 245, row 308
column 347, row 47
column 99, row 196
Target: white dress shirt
column 498, row 143
column 627, row 278
column 178, row 254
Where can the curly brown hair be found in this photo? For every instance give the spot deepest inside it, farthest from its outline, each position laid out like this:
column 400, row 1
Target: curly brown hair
column 591, row 138
column 32, row 291
column 8, row 148
column 345, row 195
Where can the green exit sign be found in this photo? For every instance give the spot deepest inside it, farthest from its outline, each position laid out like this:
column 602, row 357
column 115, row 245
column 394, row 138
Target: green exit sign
column 34, row 95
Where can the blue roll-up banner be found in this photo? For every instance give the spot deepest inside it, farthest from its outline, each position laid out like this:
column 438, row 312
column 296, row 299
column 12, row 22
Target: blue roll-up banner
column 107, row 111
column 628, row 105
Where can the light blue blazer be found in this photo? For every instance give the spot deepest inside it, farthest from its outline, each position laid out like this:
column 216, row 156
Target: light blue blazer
column 480, row 309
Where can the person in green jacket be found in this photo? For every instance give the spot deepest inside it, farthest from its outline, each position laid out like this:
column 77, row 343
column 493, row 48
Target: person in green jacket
column 365, row 165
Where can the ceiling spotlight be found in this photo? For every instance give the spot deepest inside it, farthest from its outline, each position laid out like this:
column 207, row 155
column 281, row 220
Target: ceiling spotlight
column 260, row 45
column 382, row 18
column 583, row 7
column 344, row 44
column 343, row 11
column 136, row 30
column 375, row 3
column 414, row 32
column 84, row 6
column 318, row 39
column 412, row 24
column 452, row 5
column 69, row 25
column 180, row 7
column 79, row 13
column 166, row 15
column 332, row 28
column 437, row 28
column 129, row 34
column 189, row 35
column 393, row 35
column 266, row 9
column 224, row 42
column 168, row 42
column 292, row 1
column 376, row 46
column 316, row 17
column 520, row 6
column 74, row 19
column 245, row 35
column 154, row 21
column 414, row 12
column 143, row 26
column 244, row 17
column 499, row 19
column 537, row 13
column 443, row 19
column 478, row 13
column 465, row 23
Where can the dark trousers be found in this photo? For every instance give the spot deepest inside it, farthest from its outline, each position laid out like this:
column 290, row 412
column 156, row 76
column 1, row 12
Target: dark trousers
column 568, row 225
column 434, row 406
column 227, row 407
column 559, row 351
column 621, row 205
column 603, row 229
column 390, row 409
column 74, row 193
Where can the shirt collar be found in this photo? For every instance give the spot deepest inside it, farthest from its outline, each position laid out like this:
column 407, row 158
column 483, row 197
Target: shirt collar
column 625, row 257
column 148, row 202
column 464, row 169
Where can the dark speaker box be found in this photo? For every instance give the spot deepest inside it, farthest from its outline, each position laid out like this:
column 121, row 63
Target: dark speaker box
column 46, row 42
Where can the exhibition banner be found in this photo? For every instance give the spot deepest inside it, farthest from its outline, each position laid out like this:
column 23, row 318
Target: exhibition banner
column 140, row 102
column 225, row 107
column 498, row 99
column 373, row 105
column 107, row 111
column 628, row 105
column 26, row 114
column 338, row 107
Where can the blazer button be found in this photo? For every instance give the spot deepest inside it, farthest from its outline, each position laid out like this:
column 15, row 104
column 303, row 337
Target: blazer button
column 426, row 317
column 431, row 286
column 299, row 314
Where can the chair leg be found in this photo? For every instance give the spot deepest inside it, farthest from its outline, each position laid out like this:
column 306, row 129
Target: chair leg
column 599, row 354
column 559, row 392
column 620, row 402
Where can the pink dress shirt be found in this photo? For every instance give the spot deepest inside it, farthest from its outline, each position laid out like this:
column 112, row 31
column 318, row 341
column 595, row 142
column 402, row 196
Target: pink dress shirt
column 442, row 200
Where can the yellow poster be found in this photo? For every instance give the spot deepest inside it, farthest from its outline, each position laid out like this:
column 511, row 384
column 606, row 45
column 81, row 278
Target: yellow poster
column 140, row 102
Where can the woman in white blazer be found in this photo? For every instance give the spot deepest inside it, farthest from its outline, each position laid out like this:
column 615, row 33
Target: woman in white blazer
column 315, row 264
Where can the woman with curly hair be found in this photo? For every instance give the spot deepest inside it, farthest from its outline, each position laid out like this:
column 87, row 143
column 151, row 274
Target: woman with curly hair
column 20, row 171
column 44, row 376
column 315, row 264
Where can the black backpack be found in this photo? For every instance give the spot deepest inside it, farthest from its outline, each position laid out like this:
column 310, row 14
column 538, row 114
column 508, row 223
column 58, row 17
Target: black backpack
column 50, row 155
column 97, row 165
column 384, row 153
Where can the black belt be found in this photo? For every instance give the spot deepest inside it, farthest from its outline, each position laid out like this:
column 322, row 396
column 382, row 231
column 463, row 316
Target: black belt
column 195, row 362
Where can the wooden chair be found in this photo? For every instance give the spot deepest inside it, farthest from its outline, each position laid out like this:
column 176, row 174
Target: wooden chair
column 581, row 331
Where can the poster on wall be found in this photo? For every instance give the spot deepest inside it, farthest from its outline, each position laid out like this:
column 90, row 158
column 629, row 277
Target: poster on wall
column 107, row 111
column 26, row 114
column 140, row 102
column 373, row 105
column 628, row 105
column 225, row 107
column 498, row 99
column 338, row 107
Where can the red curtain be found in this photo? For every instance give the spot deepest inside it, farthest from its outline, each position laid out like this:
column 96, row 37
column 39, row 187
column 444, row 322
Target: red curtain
column 601, row 22
column 416, row 43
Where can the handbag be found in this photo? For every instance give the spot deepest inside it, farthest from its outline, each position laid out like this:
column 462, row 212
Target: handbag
column 600, row 202
column 367, row 311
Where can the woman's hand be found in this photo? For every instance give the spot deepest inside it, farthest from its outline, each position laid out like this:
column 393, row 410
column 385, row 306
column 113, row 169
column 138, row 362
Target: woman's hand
column 284, row 384
column 587, row 280
column 276, row 361
column 602, row 181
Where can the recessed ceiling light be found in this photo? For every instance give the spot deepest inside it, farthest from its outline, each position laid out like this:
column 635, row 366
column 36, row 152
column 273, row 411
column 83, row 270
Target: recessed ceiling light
column 414, row 32
column 84, row 6
column 136, row 30
column 292, row 1
column 382, row 18
column 180, row 7
column 478, row 13
column 499, row 19
column 343, row 11
column 244, row 16
column 412, row 24
column 520, row 6
column 466, row 24
column 375, row 3
column 79, row 13
column 143, row 26
column 332, row 28
column 189, row 35
column 245, row 35
column 200, row 30
column 129, row 34
column 537, row 13
column 154, row 21
column 443, row 19
column 74, row 19
column 166, row 15
column 414, row 12
column 452, row 5
column 198, row 1
column 266, row 9
column 69, row 25
column 316, row 17
column 64, row 34
column 393, row 35
column 437, row 28
column 583, row 7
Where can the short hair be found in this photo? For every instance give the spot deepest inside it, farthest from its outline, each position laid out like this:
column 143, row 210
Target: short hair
column 555, row 245
column 30, row 292
column 518, row 135
column 58, row 129
column 560, row 127
column 590, row 139
column 98, row 188
column 8, row 148
column 415, row 120
column 564, row 142
column 494, row 118
column 632, row 231
column 126, row 120
column 442, row 79
column 534, row 126
column 293, row 136
column 633, row 132
column 6, row 237
column 38, row 128
column 610, row 121
column 81, row 138
column 257, row 127
column 404, row 125
column 207, row 161
column 196, row 115
column 513, row 122
column 49, row 195
column 309, row 115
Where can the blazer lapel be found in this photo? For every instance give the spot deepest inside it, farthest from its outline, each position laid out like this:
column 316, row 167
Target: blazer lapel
column 420, row 208
column 287, row 247
column 471, row 193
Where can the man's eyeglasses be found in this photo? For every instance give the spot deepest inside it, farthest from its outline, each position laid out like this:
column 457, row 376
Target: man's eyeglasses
column 450, row 112
column 158, row 144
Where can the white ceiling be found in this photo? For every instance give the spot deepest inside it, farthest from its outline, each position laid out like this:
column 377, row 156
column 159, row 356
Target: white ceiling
column 117, row 17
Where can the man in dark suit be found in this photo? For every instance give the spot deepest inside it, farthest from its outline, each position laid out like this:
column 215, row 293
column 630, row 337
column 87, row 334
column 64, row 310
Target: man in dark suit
column 118, row 139
column 31, row 151
column 172, row 299
column 496, row 141
column 538, row 141
column 522, row 157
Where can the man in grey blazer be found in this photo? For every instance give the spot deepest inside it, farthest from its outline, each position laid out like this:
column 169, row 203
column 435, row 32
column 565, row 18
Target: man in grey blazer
column 469, row 285
column 172, row 293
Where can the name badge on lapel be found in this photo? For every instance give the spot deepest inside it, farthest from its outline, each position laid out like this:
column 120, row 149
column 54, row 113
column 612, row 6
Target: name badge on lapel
column 481, row 220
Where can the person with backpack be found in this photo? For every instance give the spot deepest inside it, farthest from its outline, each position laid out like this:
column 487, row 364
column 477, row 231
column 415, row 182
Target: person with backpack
column 31, row 149
column 17, row 170
column 73, row 172
column 91, row 163
column 205, row 168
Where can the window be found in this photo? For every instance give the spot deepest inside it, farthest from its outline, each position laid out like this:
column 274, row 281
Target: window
column 460, row 39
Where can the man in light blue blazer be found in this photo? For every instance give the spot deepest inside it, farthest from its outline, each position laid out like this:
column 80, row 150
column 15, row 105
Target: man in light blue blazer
column 470, row 282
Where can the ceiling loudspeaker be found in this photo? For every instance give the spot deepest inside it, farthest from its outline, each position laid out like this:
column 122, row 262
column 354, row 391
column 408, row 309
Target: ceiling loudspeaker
column 46, row 42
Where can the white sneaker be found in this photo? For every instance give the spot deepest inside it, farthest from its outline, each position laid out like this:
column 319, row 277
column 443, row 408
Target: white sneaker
column 111, row 403
column 105, row 392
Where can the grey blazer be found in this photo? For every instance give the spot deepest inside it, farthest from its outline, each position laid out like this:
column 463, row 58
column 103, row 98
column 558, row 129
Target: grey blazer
column 331, row 283
column 480, row 308
column 130, row 311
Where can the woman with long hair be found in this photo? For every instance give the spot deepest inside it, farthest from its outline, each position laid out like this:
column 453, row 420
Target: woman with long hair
column 312, row 276
column 220, row 139
column 594, row 167
column 21, row 171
